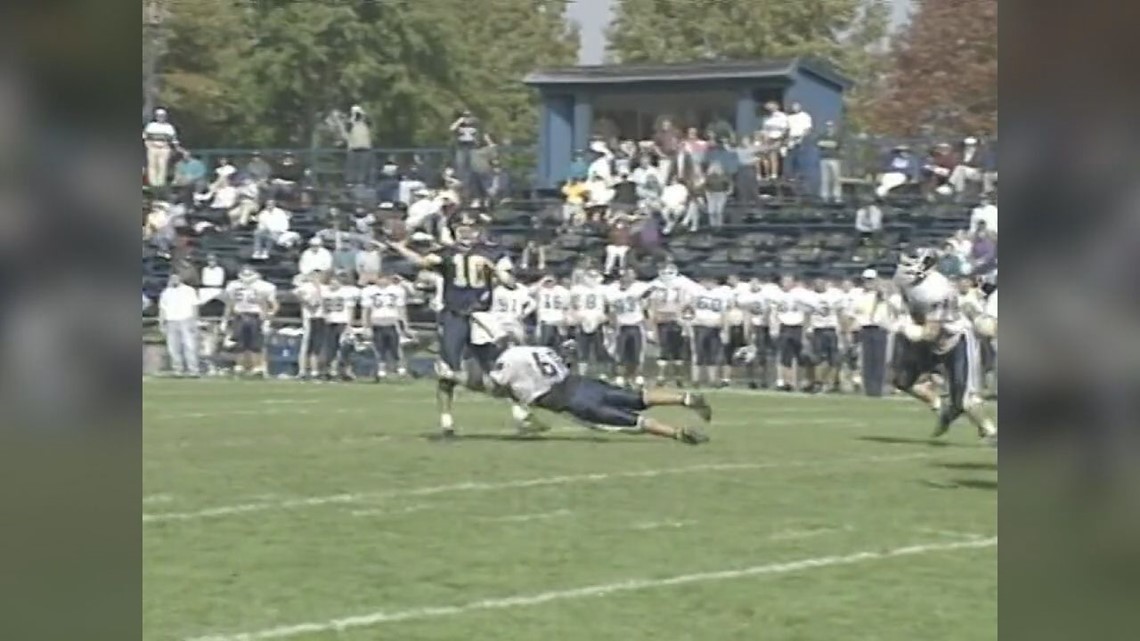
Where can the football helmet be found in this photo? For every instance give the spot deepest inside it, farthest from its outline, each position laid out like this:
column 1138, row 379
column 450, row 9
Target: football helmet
column 248, row 274
column 914, row 266
column 669, row 272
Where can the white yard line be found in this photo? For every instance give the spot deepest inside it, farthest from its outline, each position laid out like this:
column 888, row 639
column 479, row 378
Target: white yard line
column 392, row 512
column 523, row 518
column 480, row 486
column 807, row 533
column 660, row 525
column 381, row 617
column 953, row 534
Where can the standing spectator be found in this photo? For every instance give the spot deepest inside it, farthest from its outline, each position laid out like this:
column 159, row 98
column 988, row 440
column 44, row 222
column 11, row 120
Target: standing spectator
column 625, row 193
column 983, row 253
column 968, row 169
column 868, row 221
column 717, row 189
column 830, row 164
column 357, row 134
column 900, row 169
column 602, row 166
column 189, row 176
column 748, row 159
column 499, row 184
column 258, row 169
column 272, row 229
column 693, row 151
column 579, row 168
column 408, row 182
column 986, row 213
column 465, row 129
column 647, row 181
column 574, row 194
column 624, row 157
column 937, row 169
column 666, row 144
column 178, row 318
column 479, row 183
column 368, row 263
column 774, row 132
column 799, row 128
column 160, row 137
column 989, row 167
column 315, row 259
column 674, row 205
column 211, row 280
column 617, row 249
column 159, row 229
column 539, row 238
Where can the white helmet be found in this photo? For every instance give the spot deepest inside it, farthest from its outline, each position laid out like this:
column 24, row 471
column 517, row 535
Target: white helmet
column 669, row 272
column 914, row 267
column 248, row 274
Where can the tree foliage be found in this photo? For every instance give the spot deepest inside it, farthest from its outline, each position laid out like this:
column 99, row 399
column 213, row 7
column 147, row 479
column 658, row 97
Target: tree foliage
column 268, row 72
column 943, row 78
column 844, row 32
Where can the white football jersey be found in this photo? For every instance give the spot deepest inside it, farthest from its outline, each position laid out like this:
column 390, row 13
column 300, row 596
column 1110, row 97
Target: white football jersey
column 825, row 308
column 250, row 297
column 529, row 372
column 553, row 304
column 735, row 313
column 791, row 307
column 309, row 295
column 711, row 304
column 852, row 298
column 589, row 305
column 339, row 303
column 628, row 305
column 387, row 303
column 936, row 299
column 670, row 295
column 756, row 304
column 511, row 304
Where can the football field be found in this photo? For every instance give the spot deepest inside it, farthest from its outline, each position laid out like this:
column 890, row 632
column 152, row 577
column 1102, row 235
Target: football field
column 322, row 512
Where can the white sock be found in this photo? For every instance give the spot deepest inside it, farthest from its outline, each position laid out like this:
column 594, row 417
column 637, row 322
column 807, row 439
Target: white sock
column 446, row 422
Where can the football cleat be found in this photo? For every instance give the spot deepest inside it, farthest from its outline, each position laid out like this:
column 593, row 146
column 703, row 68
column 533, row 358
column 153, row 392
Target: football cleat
column 699, row 404
column 692, row 436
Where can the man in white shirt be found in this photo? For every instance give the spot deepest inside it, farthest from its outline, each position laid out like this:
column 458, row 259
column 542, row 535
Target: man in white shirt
column 250, row 303
column 339, row 299
column 674, row 204
column 552, row 308
column 316, row 258
column 385, row 311
column 178, row 318
column 211, row 280
column 159, row 137
column 799, row 128
column 626, row 303
column 307, row 289
column 774, row 133
column 272, row 228
column 368, row 263
column 789, row 323
column 985, row 213
column 874, row 316
column 588, row 305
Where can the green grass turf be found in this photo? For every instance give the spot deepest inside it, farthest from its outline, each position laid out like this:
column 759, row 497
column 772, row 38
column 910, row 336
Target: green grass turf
column 344, row 508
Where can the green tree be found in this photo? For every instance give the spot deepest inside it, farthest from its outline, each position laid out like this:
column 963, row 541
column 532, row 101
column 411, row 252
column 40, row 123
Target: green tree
column 847, row 33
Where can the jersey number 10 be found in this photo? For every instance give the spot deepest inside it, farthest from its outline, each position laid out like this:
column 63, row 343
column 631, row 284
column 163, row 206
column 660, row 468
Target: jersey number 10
column 469, row 271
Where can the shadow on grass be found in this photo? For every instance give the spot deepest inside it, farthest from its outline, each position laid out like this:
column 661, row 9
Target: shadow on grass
column 969, row 466
column 956, row 484
column 542, row 438
column 902, row 440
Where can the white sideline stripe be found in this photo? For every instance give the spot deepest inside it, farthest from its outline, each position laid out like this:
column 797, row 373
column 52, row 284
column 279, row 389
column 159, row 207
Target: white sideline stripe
column 795, row 535
column 157, row 498
column 208, row 444
column 478, row 486
column 954, row 534
column 657, row 525
column 523, row 518
column 523, row 600
column 383, row 512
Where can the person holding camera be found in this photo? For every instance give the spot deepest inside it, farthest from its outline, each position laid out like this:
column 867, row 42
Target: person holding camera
column 357, row 134
column 468, row 138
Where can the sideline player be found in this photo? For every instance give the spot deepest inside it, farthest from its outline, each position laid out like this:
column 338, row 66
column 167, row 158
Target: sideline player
column 250, row 303
column 626, row 302
column 754, row 301
column 671, row 290
column 384, row 308
column 789, row 309
column 511, row 307
column 938, row 336
column 552, row 301
column 308, row 291
column 709, row 302
column 339, row 299
column 588, row 305
column 469, row 272
column 826, row 304
column 538, row 376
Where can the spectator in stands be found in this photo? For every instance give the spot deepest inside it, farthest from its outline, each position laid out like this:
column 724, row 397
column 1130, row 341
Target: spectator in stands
column 579, row 167
column 344, row 244
column 648, row 236
column 498, row 184
column 968, row 171
column 160, row 138
column 936, row 170
column 647, row 181
column 357, row 136
column 223, row 197
column 272, row 229
column 258, row 169
column 225, row 170
column 211, row 280
column 368, row 264
column 799, row 129
column 159, row 229
column 983, row 252
column 601, row 167
column 693, row 151
column 774, row 135
column 574, row 195
column 666, row 144
column 625, row 193
column 619, row 241
column 868, row 221
column 624, row 157
column 600, row 194
column 539, row 237
column 468, row 137
column 989, row 167
column 674, row 205
column 747, row 164
column 717, row 187
column 248, row 194
column 451, row 184
column 986, row 213
column 830, row 147
column 900, row 169
column 288, row 178
column 316, row 258
column 408, row 182
column 189, row 176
